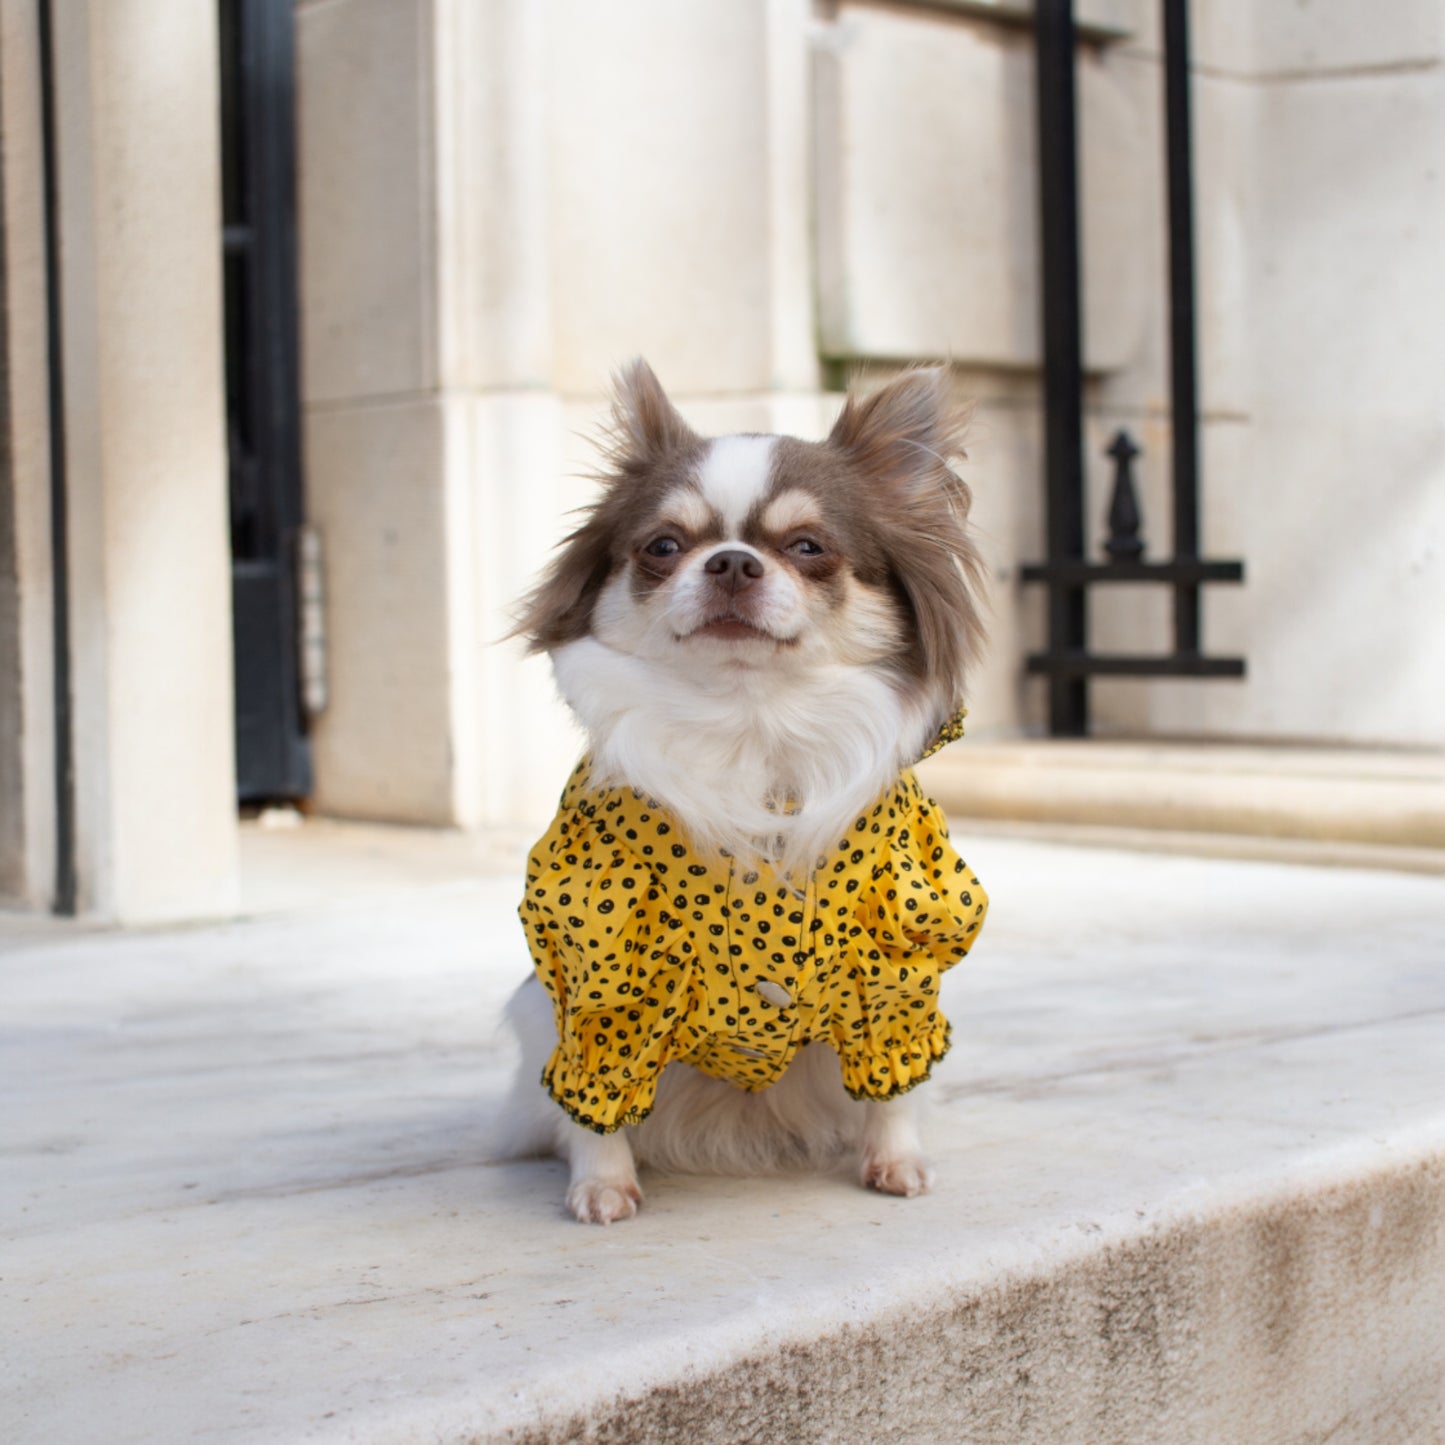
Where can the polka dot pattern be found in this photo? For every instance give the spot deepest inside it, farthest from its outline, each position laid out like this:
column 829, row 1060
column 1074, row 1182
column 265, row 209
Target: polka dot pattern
column 950, row 732
column 652, row 953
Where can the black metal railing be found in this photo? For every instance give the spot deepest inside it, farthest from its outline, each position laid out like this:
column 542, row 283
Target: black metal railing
column 1068, row 573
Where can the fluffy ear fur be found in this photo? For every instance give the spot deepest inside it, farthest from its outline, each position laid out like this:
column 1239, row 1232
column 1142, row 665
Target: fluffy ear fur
column 646, row 432
column 646, row 427
column 559, row 608
column 905, row 432
column 901, row 439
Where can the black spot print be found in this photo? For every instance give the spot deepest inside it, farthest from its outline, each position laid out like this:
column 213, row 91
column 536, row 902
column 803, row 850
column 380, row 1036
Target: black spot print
column 861, row 981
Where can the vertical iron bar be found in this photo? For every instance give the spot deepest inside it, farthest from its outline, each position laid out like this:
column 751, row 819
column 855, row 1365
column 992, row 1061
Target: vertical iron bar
column 1063, row 359
column 1182, row 378
column 66, row 878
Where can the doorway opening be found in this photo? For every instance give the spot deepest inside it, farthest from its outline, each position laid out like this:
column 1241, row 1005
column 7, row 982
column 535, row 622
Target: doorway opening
column 268, row 544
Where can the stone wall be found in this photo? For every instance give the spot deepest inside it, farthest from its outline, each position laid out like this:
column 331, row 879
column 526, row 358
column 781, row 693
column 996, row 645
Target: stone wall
column 503, row 202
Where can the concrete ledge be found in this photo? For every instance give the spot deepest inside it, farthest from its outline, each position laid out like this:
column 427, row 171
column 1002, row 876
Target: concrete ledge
column 1259, row 848
column 1370, row 799
column 1181, row 1330
column 1190, row 1147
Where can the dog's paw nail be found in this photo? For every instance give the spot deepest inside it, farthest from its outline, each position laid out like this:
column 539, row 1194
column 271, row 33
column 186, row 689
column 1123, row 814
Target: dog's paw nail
column 599, row 1201
column 907, row 1176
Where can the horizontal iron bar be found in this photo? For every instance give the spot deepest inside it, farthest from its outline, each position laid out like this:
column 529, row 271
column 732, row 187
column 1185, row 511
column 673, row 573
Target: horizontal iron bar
column 1075, row 573
column 1179, row 664
column 1104, row 27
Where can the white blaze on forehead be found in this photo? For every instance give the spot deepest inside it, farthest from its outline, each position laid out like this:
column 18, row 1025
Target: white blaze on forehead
column 734, row 476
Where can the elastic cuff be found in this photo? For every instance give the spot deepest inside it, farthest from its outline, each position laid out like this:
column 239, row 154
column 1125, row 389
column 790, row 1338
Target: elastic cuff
column 586, row 1102
column 898, row 1068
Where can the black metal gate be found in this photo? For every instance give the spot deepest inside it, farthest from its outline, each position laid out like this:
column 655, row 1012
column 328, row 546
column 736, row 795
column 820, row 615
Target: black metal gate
column 262, row 406
column 1068, row 573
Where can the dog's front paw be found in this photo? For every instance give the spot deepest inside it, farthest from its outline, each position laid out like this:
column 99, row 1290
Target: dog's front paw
column 600, row 1201
column 906, row 1174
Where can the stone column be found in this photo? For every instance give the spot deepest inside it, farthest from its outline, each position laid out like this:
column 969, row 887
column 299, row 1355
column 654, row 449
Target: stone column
column 137, row 103
column 376, row 445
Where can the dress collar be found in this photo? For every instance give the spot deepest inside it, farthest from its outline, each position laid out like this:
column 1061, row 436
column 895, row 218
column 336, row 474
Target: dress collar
column 950, row 732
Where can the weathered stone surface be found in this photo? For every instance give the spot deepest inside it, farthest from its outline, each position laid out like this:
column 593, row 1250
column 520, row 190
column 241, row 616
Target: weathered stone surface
column 1189, row 1145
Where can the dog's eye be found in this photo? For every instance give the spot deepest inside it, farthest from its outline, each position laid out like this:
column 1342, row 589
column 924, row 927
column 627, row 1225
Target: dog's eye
column 663, row 547
column 805, row 547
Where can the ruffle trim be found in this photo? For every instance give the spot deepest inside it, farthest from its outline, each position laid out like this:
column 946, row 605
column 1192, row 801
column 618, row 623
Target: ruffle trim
column 904, row 1072
column 629, row 1108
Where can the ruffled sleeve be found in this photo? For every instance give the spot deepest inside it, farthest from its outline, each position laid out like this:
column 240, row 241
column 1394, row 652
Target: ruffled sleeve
column 918, row 915
column 602, row 938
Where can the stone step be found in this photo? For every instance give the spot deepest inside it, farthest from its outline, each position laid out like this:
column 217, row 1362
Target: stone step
column 1190, row 1147
column 1356, row 807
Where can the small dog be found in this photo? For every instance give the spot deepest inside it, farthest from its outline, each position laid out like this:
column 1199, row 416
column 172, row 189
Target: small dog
column 741, row 912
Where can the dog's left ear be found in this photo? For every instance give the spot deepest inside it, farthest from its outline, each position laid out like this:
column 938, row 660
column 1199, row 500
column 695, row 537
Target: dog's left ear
column 902, row 439
column 905, row 434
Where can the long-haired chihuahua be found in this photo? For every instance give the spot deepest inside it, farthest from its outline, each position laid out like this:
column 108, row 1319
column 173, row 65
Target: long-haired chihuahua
column 740, row 915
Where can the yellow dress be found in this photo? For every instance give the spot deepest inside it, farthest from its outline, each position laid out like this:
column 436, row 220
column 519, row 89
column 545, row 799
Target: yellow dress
column 652, row 954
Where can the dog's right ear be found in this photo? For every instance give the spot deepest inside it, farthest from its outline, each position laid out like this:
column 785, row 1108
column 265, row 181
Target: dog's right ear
column 558, row 609
column 646, row 430
column 646, row 427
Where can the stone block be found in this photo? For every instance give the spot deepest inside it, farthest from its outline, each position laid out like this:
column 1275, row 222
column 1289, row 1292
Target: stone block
column 927, row 205
column 378, row 491
column 365, row 194
column 678, row 207
column 494, row 262
column 1345, row 257
column 1340, row 35
column 1336, row 617
column 1238, row 40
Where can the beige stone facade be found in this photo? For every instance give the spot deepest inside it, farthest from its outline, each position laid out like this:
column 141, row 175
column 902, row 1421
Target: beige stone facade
column 502, row 201
column 144, row 443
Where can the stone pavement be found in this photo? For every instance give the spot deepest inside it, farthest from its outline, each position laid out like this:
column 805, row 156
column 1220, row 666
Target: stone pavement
column 1191, row 1187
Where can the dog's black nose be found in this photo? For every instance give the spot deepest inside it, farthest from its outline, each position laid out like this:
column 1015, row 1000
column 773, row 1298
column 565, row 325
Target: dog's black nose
column 735, row 569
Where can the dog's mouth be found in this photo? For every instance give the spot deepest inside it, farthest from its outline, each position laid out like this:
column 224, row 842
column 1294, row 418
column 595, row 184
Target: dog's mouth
column 729, row 627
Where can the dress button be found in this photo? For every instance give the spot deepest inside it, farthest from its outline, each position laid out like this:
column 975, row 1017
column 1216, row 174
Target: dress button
column 774, row 993
column 748, row 1053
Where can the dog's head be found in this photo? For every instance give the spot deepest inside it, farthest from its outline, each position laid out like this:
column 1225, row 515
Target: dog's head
column 747, row 553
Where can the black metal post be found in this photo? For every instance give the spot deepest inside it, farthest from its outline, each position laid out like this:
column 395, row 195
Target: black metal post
column 67, row 882
column 1182, row 346
column 1063, row 349
column 273, row 758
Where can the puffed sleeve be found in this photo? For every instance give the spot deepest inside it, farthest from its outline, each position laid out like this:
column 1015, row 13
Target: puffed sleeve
column 918, row 914
column 603, row 941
